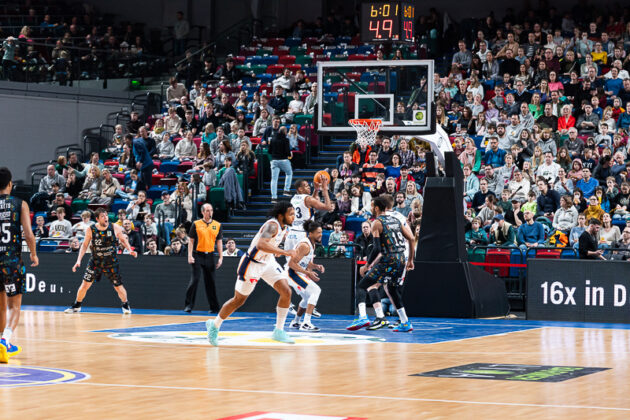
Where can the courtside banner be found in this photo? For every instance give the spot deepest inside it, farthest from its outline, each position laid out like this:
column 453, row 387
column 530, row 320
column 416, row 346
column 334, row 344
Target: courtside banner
column 578, row 290
column 159, row 282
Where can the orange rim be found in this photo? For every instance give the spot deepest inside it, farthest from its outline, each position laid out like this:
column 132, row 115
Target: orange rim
column 362, row 121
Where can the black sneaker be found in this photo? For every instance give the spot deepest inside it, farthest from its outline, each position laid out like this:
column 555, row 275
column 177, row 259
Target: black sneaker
column 126, row 309
column 377, row 324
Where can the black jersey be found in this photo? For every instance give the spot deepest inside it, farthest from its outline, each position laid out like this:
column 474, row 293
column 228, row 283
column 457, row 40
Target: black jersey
column 10, row 228
column 392, row 239
column 104, row 243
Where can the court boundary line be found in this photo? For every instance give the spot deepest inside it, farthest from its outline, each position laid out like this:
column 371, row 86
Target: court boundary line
column 348, row 396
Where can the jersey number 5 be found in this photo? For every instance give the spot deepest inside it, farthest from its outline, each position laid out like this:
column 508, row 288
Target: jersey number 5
column 6, row 232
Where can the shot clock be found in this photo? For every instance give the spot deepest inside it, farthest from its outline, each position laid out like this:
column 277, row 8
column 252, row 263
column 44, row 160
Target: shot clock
column 387, row 21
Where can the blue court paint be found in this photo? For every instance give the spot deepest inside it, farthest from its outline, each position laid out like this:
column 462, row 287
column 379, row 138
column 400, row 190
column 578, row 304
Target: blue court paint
column 20, row 376
column 426, row 330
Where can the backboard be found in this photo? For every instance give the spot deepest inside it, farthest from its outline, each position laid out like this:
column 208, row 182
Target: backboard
column 394, row 91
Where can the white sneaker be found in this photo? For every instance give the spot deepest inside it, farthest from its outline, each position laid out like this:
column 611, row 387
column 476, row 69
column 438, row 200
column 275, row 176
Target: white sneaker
column 308, row 327
column 295, row 324
column 72, row 310
column 316, row 314
column 292, row 310
column 126, row 310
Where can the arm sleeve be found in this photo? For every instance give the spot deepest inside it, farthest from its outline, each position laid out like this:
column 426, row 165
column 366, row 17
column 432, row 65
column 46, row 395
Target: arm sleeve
column 376, row 249
column 220, row 234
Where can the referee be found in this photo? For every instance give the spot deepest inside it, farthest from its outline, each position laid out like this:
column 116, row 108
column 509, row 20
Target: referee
column 204, row 234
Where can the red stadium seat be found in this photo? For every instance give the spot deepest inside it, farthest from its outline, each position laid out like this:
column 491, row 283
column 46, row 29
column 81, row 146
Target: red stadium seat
column 275, row 69
column 294, row 67
column 501, row 256
column 286, row 59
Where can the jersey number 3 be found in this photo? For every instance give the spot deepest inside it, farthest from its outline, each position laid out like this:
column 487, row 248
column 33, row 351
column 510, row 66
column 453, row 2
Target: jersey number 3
column 298, row 212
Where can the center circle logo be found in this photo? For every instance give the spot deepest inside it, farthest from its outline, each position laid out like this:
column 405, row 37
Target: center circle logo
column 20, row 376
column 246, row 338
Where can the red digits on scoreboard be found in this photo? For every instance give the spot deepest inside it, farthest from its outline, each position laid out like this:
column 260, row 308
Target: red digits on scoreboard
column 387, row 26
column 408, row 29
column 377, row 35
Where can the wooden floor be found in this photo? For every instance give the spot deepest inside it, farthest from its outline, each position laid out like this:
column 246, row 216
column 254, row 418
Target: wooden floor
column 151, row 380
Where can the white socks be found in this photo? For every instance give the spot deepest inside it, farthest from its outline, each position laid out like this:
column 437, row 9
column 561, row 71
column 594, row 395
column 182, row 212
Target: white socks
column 218, row 321
column 281, row 317
column 307, row 318
column 402, row 315
column 362, row 312
column 379, row 311
column 7, row 334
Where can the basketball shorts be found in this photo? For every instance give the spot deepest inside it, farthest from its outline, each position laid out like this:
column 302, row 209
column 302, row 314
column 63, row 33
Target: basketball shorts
column 390, row 269
column 298, row 281
column 110, row 269
column 250, row 271
column 293, row 237
column 13, row 276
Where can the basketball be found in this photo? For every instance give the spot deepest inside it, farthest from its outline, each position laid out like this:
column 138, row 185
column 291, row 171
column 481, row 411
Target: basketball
column 318, row 176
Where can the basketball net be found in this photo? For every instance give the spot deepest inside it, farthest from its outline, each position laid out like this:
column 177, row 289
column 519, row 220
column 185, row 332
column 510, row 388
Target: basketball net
column 366, row 130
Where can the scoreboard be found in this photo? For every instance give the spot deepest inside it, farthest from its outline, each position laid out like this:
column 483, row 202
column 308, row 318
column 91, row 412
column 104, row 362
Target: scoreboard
column 387, row 21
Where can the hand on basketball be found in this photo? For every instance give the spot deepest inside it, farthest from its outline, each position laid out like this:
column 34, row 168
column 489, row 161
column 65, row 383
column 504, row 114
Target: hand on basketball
column 74, row 268
column 34, row 260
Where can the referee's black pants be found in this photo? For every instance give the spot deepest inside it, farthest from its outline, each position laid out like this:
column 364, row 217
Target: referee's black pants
column 204, row 265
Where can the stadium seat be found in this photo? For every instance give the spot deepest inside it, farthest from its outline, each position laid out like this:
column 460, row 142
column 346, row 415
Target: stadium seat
column 169, row 166
column 501, row 256
column 119, row 204
column 286, row 59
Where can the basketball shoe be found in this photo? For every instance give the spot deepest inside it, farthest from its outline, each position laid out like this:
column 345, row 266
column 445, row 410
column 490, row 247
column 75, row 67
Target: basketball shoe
column 358, row 323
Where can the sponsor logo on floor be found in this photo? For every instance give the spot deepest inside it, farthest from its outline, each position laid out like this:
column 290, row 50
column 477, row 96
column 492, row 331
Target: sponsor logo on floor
column 246, row 338
column 262, row 415
column 531, row 373
column 19, row 376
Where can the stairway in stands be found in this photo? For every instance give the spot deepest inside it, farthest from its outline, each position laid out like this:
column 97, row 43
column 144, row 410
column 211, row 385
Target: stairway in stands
column 244, row 224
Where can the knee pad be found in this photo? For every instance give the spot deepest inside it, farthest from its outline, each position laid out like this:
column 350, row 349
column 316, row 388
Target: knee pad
column 361, row 295
column 313, row 291
column 374, row 296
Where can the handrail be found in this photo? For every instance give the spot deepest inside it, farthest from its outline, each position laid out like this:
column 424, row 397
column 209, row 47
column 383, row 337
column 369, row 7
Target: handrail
column 221, row 36
column 351, row 244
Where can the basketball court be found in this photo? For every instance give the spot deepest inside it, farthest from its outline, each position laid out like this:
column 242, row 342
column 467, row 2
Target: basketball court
column 154, row 364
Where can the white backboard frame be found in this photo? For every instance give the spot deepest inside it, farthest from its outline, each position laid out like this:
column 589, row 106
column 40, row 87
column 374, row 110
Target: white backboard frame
column 390, row 96
column 411, row 129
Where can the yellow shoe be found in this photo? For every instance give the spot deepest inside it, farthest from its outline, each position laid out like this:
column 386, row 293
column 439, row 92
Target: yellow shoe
column 14, row 350
column 4, row 355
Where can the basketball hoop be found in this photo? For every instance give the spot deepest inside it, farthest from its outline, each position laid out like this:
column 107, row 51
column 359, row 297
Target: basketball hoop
column 366, row 130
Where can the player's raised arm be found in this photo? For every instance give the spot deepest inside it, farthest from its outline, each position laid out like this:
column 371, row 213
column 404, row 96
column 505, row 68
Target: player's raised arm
column 25, row 219
column 83, row 249
column 313, row 201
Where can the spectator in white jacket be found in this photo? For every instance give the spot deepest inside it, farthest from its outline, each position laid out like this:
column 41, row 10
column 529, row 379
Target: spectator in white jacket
column 186, row 148
column 566, row 217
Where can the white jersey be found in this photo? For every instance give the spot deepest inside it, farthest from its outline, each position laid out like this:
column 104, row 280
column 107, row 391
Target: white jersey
column 260, row 256
column 302, row 213
column 403, row 221
column 308, row 258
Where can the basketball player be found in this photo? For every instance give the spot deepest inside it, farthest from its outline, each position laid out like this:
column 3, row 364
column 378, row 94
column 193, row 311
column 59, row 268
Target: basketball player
column 304, row 203
column 394, row 288
column 14, row 215
column 302, row 275
column 260, row 263
column 388, row 263
column 104, row 260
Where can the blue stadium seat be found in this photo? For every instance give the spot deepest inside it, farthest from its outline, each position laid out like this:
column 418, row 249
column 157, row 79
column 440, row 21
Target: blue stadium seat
column 155, row 191
column 169, row 166
column 118, row 204
column 293, row 42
